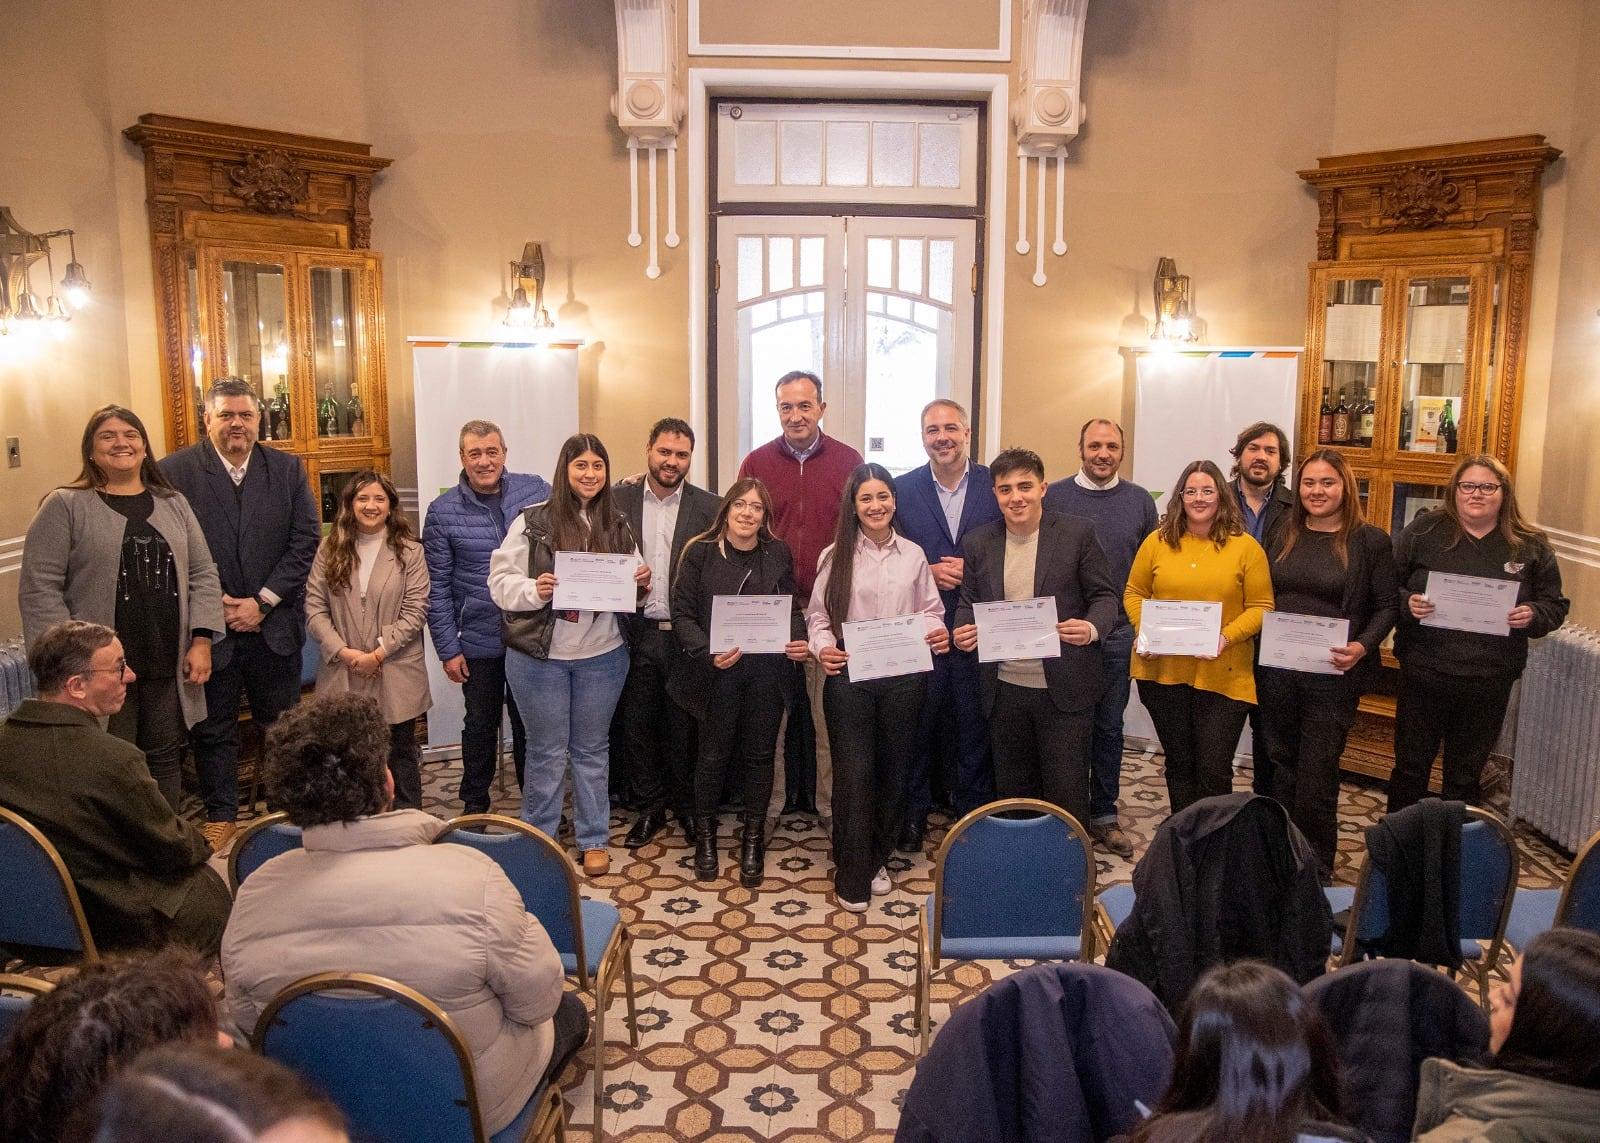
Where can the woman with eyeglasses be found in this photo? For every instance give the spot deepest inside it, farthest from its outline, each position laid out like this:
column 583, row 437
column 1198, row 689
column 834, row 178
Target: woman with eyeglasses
column 121, row 546
column 737, row 698
column 1200, row 552
column 1455, row 684
column 1327, row 562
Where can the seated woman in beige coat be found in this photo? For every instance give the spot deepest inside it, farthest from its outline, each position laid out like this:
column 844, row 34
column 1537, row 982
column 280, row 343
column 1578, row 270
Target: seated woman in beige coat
column 366, row 603
column 369, row 892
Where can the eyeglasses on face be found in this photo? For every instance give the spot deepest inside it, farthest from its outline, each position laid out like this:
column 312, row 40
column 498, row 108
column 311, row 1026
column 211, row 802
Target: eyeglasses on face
column 1487, row 487
column 755, row 506
column 1199, row 493
column 117, row 668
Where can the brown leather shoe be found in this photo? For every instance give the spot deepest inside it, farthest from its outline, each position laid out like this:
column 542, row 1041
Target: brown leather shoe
column 596, row 862
column 1112, row 839
column 219, row 835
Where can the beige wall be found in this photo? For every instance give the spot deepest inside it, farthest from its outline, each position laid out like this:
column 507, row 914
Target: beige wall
column 496, row 116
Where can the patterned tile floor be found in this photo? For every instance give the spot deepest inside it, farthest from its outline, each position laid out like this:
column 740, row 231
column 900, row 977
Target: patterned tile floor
column 773, row 1014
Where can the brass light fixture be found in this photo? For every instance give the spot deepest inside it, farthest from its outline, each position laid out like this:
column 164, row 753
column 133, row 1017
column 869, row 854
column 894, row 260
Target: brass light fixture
column 1174, row 307
column 19, row 250
column 528, row 274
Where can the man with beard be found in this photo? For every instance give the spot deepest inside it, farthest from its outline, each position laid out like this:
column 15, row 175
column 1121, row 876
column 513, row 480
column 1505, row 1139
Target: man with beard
column 463, row 527
column 1260, row 458
column 665, row 512
column 1123, row 514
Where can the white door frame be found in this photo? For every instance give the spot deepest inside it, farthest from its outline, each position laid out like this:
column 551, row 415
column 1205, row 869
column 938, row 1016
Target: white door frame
column 994, row 89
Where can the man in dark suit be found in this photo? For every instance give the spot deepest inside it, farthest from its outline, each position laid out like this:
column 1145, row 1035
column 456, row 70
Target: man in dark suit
column 665, row 511
column 260, row 522
column 937, row 506
column 1040, row 710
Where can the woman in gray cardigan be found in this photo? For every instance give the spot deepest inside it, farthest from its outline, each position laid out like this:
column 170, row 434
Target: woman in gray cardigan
column 121, row 546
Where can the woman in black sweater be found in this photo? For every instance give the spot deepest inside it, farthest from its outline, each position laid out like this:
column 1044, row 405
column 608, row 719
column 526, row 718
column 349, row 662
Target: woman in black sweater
column 738, row 699
column 1328, row 562
column 1454, row 685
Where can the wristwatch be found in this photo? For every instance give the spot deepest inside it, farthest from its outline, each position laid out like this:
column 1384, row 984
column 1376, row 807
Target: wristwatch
column 262, row 603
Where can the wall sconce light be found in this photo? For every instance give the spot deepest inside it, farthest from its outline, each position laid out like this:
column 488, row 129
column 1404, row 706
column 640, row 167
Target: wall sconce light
column 528, row 274
column 1174, row 307
column 19, row 250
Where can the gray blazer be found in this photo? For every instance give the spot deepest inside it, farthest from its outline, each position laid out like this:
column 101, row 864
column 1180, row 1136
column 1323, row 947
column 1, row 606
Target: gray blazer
column 69, row 571
column 396, row 610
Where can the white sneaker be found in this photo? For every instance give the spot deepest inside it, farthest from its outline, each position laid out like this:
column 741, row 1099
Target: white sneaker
column 881, row 883
column 851, row 906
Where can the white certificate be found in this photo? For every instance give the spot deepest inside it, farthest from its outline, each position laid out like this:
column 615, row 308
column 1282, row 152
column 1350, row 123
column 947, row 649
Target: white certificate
column 595, row 581
column 1471, row 603
column 1017, row 629
column 1179, row 627
column 1302, row 642
column 755, row 624
column 881, row 648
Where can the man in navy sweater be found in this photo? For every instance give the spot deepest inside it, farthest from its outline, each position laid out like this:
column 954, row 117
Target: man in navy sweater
column 938, row 505
column 1123, row 514
column 463, row 527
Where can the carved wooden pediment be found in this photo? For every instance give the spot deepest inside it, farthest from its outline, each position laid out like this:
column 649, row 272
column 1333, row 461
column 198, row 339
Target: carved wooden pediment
column 1420, row 198
column 269, row 181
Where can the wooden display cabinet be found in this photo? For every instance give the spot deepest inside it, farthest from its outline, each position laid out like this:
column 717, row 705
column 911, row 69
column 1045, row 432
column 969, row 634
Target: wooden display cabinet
column 1419, row 298
column 263, row 267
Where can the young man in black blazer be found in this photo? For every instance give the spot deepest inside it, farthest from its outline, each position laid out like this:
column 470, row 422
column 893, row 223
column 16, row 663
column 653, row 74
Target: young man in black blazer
column 260, row 521
column 1040, row 711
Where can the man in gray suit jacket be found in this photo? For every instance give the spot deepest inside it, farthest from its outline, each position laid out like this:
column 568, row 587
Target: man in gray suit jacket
column 665, row 511
column 1040, row 710
column 260, row 522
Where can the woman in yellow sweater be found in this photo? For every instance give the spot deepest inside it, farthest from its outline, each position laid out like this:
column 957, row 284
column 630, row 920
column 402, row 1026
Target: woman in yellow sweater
column 1198, row 703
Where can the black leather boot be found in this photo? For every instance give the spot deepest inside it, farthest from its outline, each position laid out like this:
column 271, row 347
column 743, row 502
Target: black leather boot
column 705, row 848
column 753, row 851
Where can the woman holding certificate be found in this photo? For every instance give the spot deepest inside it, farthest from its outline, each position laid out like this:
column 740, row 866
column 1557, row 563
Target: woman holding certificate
column 870, row 574
column 366, row 604
column 1477, row 582
column 736, row 696
column 1334, row 582
column 1207, row 586
column 565, row 655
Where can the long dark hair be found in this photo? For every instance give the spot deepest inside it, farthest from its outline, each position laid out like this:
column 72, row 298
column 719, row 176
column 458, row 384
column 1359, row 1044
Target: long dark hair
column 1350, row 517
column 719, row 524
column 1228, row 521
column 1254, row 1061
column 90, row 476
column 842, row 557
column 606, row 530
column 1516, row 531
column 1555, row 1030
column 341, row 542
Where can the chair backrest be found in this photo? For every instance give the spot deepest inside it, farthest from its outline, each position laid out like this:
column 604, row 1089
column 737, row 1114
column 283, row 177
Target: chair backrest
column 538, row 867
column 1579, row 907
column 16, row 995
column 261, row 840
column 391, row 1059
column 40, row 904
column 1007, row 876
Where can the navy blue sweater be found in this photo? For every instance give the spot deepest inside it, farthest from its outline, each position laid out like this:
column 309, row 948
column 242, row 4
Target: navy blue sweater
column 1122, row 515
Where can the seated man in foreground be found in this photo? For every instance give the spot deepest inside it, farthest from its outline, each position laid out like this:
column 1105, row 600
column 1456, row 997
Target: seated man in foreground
column 370, row 893
column 139, row 869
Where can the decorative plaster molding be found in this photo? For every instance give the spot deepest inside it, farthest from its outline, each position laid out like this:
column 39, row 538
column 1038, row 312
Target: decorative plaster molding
column 1574, row 546
column 1000, row 53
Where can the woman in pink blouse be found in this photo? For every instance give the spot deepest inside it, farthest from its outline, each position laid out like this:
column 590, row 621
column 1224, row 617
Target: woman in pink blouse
column 870, row 571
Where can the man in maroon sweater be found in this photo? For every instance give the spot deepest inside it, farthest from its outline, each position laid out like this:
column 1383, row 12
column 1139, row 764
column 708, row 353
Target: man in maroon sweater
column 805, row 470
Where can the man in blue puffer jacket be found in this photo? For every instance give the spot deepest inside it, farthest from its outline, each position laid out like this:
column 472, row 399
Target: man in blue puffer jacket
column 462, row 528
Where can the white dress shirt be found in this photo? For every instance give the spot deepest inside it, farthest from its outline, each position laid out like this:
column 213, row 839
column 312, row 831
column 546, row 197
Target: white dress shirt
column 660, row 522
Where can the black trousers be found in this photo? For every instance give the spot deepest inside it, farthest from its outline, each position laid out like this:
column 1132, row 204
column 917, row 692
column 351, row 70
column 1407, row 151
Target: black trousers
column 405, row 763
column 486, row 696
column 873, row 728
column 571, row 1027
column 272, row 682
column 658, row 733
column 1462, row 713
column 152, row 719
column 1039, row 750
column 1199, row 731
column 743, row 713
column 1304, row 721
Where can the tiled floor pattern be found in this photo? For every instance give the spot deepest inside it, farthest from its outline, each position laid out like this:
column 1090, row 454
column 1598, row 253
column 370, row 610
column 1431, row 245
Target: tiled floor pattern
column 773, row 1014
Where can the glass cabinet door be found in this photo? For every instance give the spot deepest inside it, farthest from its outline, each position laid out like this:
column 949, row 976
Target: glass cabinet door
column 341, row 411
column 1435, row 349
column 255, row 325
column 1351, row 349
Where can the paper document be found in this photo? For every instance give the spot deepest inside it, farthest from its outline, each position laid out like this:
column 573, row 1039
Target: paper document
column 755, row 624
column 595, row 581
column 883, row 648
column 1471, row 603
column 1017, row 629
column 1179, row 627
column 1302, row 642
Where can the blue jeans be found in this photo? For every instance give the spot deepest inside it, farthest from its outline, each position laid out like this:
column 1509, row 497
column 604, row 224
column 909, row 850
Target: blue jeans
column 1105, row 748
column 566, row 707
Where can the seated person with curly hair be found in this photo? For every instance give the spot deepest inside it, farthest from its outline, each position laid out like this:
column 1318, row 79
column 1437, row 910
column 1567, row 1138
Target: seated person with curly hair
column 370, row 893
column 76, row 1038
